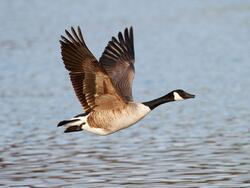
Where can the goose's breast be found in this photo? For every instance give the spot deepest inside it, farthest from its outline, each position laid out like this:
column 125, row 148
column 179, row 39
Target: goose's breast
column 114, row 120
column 132, row 114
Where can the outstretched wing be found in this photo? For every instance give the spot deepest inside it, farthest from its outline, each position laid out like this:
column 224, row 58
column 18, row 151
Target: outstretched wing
column 91, row 83
column 118, row 61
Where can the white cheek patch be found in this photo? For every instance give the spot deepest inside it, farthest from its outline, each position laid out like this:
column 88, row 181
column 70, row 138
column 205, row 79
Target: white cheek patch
column 177, row 97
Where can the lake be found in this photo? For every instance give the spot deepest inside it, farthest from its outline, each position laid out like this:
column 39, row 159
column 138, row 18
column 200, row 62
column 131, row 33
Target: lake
column 200, row 46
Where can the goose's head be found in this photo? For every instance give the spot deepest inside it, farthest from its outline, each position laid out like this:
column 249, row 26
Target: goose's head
column 180, row 94
column 175, row 95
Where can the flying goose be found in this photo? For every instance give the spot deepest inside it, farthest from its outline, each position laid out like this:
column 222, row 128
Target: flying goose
column 104, row 88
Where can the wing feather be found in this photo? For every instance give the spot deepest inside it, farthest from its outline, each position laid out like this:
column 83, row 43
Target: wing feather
column 92, row 85
column 118, row 61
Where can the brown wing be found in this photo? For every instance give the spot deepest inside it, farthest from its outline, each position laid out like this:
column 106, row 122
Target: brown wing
column 118, row 61
column 91, row 83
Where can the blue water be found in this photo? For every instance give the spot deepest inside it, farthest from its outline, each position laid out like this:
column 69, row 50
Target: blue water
column 200, row 46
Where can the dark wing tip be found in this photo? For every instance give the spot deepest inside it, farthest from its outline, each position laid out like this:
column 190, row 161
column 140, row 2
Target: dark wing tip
column 131, row 30
column 73, row 31
column 120, row 37
column 131, row 34
column 72, row 39
column 79, row 29
column 61, row 42
column 120, row 47
column 67, row 32
column 126, row 31
column 131, row 41
column 80, row 34
column 64, row 40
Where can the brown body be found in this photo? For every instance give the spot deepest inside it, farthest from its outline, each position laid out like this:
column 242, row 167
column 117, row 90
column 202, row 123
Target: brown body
column 116, row 119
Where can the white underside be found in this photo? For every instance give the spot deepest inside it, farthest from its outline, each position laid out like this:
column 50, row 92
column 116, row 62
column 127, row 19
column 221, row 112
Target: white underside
column 117, row 122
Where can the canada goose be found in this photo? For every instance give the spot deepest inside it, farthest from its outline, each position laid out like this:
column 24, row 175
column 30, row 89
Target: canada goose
column 104, row 88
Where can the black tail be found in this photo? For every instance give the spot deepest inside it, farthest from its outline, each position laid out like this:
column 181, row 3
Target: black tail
column 61, row 123
column 73, row 129
column 73, row 124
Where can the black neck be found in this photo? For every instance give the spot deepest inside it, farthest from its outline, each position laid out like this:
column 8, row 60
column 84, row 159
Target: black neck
column 156, row 102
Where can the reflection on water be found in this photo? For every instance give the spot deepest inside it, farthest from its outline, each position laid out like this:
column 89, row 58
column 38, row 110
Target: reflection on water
column 198, row 46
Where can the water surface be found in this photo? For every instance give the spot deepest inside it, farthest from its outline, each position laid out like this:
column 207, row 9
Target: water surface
column 200, row 46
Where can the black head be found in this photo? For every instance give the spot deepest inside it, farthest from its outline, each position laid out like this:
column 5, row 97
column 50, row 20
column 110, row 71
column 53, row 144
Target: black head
column 175, row 95
column 180, row 94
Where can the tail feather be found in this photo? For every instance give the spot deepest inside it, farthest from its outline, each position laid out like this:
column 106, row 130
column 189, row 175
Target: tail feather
column 64, row 122
column 73, row 129
column 73, row 124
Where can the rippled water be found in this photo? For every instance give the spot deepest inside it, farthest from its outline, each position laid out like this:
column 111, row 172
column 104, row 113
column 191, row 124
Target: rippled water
column 200, row 46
